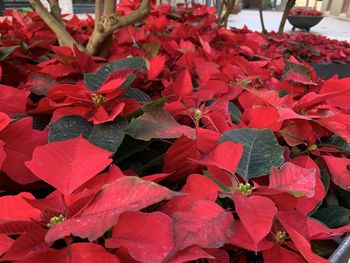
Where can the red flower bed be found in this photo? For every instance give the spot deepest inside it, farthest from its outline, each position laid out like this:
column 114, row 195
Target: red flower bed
column 304, row 12
column 190, row 142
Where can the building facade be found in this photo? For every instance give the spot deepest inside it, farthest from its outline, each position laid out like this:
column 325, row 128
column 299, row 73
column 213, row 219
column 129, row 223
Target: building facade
column 339, row 8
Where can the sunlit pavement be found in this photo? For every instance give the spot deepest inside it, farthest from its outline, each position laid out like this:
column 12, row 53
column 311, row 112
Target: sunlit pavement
column 330, row 26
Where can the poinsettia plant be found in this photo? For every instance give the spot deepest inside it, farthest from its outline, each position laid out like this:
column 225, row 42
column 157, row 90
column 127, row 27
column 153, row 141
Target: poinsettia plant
column 304, row 12
column 191, row 142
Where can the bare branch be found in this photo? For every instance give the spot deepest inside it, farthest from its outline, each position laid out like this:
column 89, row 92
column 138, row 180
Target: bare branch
column 108, row 24
column 58, row 28
column 230, row 4
column 264, row 31
column 55, row 10
column 288, row 7
column 109, row 7
column 97, row 12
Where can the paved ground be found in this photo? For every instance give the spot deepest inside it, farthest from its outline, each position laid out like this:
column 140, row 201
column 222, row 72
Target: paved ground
column 330, row 26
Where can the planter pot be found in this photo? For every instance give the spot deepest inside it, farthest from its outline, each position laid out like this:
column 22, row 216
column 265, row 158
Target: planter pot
column 328, row 70
column 304, row 22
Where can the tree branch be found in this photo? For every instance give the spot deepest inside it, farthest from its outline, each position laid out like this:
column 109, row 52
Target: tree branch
column 263, row 29
column 230, row 4
column 55, row 10
column 108, row 24
column 288, row 7
column 109, row 7
column 62, row 34
column 97, row 12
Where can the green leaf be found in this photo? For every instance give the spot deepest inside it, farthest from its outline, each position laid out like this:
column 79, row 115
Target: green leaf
column 343, row 197
column 337, row 143
column 94, row 80
column 224, row 188
column 296, row 68
column 6, row 51
column 235, row 113
column 108, row 135
column 151, row 48
column 157, row 123
column 333, row 216
column 137, row 94
column 261, row 151
column 69, row 127
column 159, row 103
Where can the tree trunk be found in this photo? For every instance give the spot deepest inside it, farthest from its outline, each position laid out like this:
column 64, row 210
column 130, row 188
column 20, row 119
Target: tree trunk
column 230, row 4
column 263, row 29
column 106, row 24
column 288, row 7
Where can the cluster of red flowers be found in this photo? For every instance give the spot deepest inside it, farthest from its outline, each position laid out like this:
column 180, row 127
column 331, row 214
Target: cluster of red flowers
column 304, row 12
column 190, row 142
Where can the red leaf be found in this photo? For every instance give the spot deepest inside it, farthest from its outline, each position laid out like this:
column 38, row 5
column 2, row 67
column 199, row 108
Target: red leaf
column 16, row 215
column 282, row 255
column 241, row 238
column 190, row 254
column 4, row 120
column 2, row 153
column 141, row 241
column 319, row 231
column 58, row 70
column 339, row 124
column 110, row 86
column 74, row 253
column 300, row 241
column 5, row 243
column 16, row 208
column 257, row 214
column 299, row 132
column 205, row 224
column 340, row 173
column 197, row 187
column 156, row 66
column 20, row 141
column 66, row 164
column 305, row 204
column 183, row 85
column 12, row 100
column 184, row 149
column 125, row 194
column 30, row 242
column 294, row 179
column 226, row 156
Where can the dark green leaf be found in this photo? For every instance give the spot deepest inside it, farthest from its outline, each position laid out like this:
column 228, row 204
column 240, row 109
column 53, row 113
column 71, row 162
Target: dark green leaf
column 69, row 127
column 337, row 143
column 6, row 51
column 159, row 103
column 137, row 94
column 333, row 216
column 343, row 197
column 108, row 135
column 288, row 66
column 261, row 151
column 94, row 80
column 157, row 123
column 234, row 112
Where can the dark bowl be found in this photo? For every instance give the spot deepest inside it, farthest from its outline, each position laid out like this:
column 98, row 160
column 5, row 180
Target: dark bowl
column 304, row 22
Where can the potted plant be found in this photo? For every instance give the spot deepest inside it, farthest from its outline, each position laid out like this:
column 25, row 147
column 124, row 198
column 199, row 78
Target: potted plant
column 304, row 18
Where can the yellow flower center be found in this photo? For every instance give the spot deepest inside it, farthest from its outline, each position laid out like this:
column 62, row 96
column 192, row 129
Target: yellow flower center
column 245, row 189
column 280, row 236
column 98, row 98
column 55, row 220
